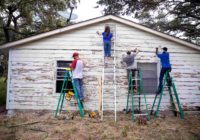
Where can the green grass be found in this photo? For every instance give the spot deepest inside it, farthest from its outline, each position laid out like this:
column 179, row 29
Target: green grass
column 2, row 91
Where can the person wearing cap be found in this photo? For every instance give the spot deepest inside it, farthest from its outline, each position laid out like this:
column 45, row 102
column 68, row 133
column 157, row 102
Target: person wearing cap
column 77, row 74
column 166, row 66
column 107, row 36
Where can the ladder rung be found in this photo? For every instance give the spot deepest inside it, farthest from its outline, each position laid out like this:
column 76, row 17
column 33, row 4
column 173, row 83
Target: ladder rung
column 141, row 114
column 167, row 86
column 134, row 86
column 137, row 95
column 173, row 94
column 136, row 79
column 67, row 89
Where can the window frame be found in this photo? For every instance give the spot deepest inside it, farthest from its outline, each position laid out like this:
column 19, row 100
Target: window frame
column 157, row 67
column 55, row 73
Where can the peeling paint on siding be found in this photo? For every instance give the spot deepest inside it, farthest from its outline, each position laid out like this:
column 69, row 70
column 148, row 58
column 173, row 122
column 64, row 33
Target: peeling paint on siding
column 32, row 68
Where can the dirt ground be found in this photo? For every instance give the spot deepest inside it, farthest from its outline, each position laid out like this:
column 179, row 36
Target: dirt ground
column 44, row 126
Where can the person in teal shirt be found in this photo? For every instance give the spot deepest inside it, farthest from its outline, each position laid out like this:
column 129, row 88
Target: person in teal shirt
column 166, row 66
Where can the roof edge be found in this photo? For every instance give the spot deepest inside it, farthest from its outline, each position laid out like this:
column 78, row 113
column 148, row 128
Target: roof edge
column 163, row 35
column 54, row 32
column 96, row 20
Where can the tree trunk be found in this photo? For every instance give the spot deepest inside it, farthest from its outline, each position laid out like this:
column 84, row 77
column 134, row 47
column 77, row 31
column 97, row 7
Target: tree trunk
column 7, row 35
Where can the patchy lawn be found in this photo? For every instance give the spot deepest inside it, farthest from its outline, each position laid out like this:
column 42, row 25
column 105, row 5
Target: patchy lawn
column 42, row 125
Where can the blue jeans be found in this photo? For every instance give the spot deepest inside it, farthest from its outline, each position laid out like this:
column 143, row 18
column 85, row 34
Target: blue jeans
column 79, row 87
column 162, row 73
column 107, row 49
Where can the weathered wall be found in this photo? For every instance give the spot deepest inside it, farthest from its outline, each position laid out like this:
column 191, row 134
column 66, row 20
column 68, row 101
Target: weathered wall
column 185, row 63
column 32, row 73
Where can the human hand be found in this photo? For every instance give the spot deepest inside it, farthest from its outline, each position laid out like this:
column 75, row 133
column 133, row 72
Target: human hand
column 98, row 32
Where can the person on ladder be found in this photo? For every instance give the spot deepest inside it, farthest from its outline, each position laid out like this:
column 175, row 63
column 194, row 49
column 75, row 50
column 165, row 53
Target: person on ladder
column 129, row 60
column 107, row 36
column 77, row 74
column 166, row 66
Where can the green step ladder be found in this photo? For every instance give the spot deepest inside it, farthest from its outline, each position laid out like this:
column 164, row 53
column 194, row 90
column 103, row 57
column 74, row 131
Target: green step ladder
column 176, row 106
column 67, row 78
column 138, row 84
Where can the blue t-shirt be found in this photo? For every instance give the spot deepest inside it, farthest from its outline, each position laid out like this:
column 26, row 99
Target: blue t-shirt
column 164, row 57
column 107, row 38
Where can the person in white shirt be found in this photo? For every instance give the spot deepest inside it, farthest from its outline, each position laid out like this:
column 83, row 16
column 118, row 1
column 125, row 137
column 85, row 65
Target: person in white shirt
column 77, row 74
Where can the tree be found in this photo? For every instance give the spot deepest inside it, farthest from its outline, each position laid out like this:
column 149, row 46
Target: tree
column 180, row 18
column 3, row 65
column 22, row 18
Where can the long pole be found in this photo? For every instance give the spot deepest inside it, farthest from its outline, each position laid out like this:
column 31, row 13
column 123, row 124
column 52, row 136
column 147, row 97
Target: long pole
column 115, row 87
column 102, row 84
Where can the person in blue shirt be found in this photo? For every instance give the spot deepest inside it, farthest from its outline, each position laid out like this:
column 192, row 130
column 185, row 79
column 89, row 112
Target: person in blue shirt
column 166, row 66
column 107, row 36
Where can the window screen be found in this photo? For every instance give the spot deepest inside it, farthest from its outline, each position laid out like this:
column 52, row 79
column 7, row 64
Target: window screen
column 61, row 65
column 149, row 75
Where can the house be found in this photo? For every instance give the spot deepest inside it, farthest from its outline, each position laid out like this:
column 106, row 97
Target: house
column 36, row 65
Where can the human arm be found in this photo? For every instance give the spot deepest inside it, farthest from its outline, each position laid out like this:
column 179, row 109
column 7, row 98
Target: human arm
column 111, row 35
column 73, row 65
column 156, row 51
column 123, row 61
column 158, row 55
column 84, row 63
column 136, row 51
column 98, row 32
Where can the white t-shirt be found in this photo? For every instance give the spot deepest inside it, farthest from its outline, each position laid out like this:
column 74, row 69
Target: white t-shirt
column 78, row 71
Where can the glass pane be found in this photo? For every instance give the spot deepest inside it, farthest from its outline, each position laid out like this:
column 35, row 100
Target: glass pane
column 60, row 72
column 59, row 86
column 149, row 75
column 63, row 64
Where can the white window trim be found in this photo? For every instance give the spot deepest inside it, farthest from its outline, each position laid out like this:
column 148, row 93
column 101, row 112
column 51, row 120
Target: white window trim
column 55, row 74
column 157, row 62
column 158, row 71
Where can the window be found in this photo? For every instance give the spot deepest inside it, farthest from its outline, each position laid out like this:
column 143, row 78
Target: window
column 149, row 75
column 61, row 65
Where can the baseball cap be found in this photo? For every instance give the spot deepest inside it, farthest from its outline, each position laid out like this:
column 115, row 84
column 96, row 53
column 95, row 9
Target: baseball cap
column 75, row 54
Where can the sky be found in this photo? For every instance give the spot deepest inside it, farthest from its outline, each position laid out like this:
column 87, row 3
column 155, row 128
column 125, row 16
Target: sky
column 87, row 11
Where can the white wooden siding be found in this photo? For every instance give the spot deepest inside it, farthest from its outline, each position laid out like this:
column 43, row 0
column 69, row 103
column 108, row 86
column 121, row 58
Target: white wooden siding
column 33, row 67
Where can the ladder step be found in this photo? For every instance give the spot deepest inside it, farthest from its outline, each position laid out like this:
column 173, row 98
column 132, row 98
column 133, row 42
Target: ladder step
column 134, row 86
column 68, row 89
column 167, row 86
column 173, row 94
column 136, row 79
column 141, row 114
